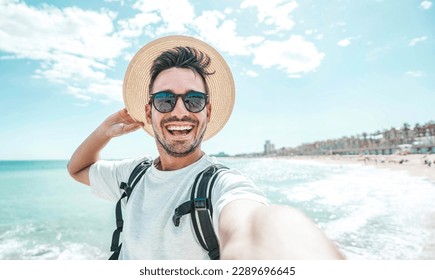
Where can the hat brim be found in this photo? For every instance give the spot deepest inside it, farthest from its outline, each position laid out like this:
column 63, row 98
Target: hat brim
column 220, row 84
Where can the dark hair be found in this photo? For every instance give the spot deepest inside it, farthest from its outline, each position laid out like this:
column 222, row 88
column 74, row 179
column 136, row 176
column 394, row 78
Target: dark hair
column 181, row 57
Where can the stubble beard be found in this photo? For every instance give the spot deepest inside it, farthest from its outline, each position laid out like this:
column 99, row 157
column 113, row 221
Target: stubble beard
column 180, row 149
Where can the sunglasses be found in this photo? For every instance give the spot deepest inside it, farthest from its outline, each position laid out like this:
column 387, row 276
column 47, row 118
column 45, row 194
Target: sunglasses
column 165, row 101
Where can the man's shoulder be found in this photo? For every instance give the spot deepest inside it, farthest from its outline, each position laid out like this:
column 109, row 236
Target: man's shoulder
column 124, row 166
column 124, row 162
column 210, row 159
column 230, row 171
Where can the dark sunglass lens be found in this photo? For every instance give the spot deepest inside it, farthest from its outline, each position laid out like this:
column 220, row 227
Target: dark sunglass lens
column 164, row 102
column 195, row 101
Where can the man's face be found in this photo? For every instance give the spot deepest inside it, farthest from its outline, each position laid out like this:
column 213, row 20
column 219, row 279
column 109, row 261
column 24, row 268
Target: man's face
column 180, row 132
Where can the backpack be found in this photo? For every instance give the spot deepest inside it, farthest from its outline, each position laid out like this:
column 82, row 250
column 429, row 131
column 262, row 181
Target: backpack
column 199, row 207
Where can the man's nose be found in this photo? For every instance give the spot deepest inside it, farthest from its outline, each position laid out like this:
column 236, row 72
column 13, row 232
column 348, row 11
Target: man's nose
column 180, row 109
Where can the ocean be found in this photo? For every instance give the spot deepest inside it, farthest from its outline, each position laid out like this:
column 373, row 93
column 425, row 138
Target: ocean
column 371, row 214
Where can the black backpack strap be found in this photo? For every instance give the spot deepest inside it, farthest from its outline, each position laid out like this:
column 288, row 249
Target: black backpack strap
column 201, row 210
column 134, row 178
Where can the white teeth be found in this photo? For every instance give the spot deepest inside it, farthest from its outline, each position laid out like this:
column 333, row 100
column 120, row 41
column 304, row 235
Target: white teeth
column 183, row 127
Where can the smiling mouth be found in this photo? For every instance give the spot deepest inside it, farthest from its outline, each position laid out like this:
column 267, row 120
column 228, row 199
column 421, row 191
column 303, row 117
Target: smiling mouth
column 179, row 130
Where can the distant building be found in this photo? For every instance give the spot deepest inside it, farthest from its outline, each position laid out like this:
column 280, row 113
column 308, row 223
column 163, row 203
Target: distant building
column 221, row 154
column 424, row 140
column 269, row 148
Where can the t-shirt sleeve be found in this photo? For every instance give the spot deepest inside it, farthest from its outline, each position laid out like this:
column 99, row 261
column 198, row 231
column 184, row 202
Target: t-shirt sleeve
column 106, row 176
column 233, row 185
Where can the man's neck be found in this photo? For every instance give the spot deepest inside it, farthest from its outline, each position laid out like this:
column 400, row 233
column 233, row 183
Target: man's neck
column 167, row 162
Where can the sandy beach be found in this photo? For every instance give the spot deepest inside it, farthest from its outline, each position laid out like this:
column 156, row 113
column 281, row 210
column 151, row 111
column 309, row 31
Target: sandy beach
column 415, row 165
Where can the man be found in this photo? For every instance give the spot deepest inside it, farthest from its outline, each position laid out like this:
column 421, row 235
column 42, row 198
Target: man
column 181, row 91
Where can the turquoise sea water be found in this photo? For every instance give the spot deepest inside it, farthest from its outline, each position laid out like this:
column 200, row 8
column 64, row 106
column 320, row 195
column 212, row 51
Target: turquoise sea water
column 370, row 213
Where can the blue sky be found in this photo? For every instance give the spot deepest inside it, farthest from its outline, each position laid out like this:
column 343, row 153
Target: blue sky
column 304, row 70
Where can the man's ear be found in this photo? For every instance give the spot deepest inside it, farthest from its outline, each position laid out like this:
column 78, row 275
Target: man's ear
column 148, row 113
column 208, row 112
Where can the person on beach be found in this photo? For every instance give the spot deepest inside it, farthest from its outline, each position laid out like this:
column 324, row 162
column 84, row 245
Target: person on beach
column 181, row 91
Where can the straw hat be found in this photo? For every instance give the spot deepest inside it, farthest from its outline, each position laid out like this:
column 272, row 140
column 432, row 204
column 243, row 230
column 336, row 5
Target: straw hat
column 220, row 84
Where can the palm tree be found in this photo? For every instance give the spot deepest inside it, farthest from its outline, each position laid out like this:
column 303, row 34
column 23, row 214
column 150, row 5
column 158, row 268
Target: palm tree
column 364, row 135
column 386, row 138
column 394, row 136
column 404, row 131
column 417, row 130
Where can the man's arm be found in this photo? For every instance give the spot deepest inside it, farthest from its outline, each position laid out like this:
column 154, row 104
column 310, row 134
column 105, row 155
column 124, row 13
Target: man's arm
column 88, row 152
column 251, row 230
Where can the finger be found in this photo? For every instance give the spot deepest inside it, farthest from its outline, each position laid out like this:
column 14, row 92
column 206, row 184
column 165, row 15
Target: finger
column 126, row 117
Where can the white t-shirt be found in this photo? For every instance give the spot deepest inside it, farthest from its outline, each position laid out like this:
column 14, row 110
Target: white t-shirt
column 149, row 232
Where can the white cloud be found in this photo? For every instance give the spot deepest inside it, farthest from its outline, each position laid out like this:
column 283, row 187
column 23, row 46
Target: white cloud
column 65, row 68
column 121, row 2
column 77, row 92
column 319, row 36
column 76, row 48
column 36, row 33
column 415, row 41
column 416, row 74
column 105, row 92
column 71, row 44
column 273, row 12
column 315, row 33
column 8, row 57
column 295, row 56
column 426, row 5
column 338, row 24
column 155, row 18
column 228, row 11
column 136, row 26
column 309, row 32
column 344, row 43
column 175, row 17
column 251, row 73
column 215, row 29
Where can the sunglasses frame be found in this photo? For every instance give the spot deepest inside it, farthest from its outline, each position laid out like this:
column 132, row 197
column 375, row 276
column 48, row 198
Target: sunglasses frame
column 177, row 96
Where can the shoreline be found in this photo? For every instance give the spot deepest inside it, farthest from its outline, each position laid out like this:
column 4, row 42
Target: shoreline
column 414, row 164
